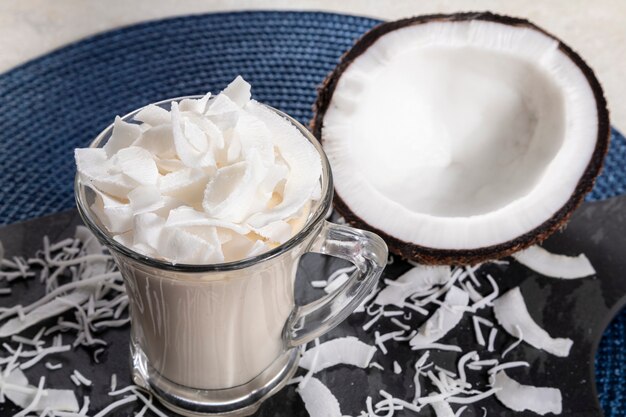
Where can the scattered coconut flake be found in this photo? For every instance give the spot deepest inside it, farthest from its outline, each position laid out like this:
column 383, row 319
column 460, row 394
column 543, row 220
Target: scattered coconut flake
column 520, row 338
column 52, row 399
column 510, row 311
column 443, row 320
column 116, row 404
column 460, row 411
column 557, row 266
column 313, row 365
column 442, row 409
column 487, row 300
column 53, row 367
column 81, row 378
column 45, row 311
column 508, row 365
column 336, row 283
column 519, row 397
column 473, row 355
column 43, row 353
column 472, row 398
column 439, row 346
column 492, row 339
column 370, row 323
column 376, row 365
column 318, row 400
column 418, row 279
column 344, row 350
column 397, row 369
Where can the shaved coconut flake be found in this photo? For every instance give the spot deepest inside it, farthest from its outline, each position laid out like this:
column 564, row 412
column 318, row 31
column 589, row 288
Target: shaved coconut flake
column 336, row 283
column 519, row 397
column 116, row 404
column 153, row 115
column 230, row 193
column 137, row 164
column 93, row 166
column 186, row 185
column 341, row 351
column 397, row 369
column 439, row 346
column 376, row 365
column 510, row 311
column 116, row 217
column 492, row 339
column 53, row 367
column 485, row 301
column 479, row 334
column 557, row 266
column 300, row 156
column 227, row 161
column 520, row 338
column 318, row 400
column 183, row 143
column 144, row 199
column 473, row 355
column 195, row 105
column 442, row 409
column 81, row 378
column 187, row 217
column 124, row 135
column 278, row 231
column 50, row 309
column 147, row 229
column 43, row 353
column 417, row 279
column 443, row 320
column 52, row 399
column 507, row 365
column 180, row 246
column 473, row 398
column 159, row 141
column 238, row 91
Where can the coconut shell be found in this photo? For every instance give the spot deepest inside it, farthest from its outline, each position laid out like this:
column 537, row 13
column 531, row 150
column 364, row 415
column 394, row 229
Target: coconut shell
column 558, row 220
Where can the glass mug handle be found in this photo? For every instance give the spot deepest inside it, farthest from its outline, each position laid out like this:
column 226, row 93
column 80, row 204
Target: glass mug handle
column 368, row 252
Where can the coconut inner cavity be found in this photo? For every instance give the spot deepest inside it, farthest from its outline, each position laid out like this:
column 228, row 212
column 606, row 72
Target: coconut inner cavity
column 458, row 135
column 476, row 129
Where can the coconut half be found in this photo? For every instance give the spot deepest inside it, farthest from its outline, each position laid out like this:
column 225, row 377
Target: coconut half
column 461, row 138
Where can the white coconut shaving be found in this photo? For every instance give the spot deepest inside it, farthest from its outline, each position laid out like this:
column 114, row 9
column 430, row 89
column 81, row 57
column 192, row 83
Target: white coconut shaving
column 215, row 179
column 415, row 280
column 16, row 388
column 511, row 312
column 557, row 266
column 442, row 409
column 318, row 400
column 517, row 397
column 344, row 350
column 443, row 320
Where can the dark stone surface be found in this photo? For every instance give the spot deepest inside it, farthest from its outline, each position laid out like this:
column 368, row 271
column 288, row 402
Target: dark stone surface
column 579, row 309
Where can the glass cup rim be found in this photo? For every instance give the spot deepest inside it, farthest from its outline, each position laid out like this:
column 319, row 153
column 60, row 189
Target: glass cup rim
column 314, row 219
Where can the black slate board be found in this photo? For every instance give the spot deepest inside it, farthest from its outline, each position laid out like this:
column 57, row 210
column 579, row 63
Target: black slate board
column 579, row 309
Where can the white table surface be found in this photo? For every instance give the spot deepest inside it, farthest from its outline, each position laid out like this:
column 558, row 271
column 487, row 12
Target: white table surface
column 596, row 29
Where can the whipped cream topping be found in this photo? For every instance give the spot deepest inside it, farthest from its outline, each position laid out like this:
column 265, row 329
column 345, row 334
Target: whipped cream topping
column 213, row 180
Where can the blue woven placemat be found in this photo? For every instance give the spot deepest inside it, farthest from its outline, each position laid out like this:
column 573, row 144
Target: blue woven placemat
column 62, row 100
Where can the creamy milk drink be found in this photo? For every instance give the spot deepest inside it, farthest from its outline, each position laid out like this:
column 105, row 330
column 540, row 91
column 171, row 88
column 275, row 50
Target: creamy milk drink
column 207, row 204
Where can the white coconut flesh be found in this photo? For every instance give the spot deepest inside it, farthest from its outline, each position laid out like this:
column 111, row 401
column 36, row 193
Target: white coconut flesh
column 473, row 133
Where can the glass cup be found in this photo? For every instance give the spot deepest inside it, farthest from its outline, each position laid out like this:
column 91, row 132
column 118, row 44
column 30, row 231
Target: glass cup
column 221, row 338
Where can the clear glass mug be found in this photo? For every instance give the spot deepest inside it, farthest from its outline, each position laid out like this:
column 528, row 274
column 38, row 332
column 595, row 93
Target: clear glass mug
column 221, row 338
